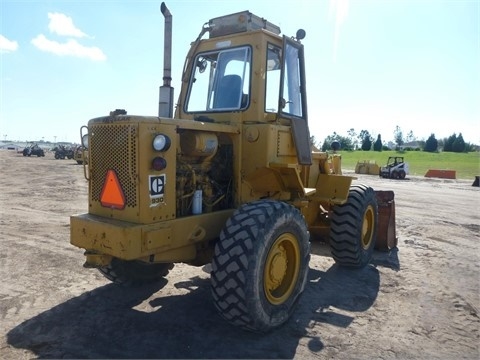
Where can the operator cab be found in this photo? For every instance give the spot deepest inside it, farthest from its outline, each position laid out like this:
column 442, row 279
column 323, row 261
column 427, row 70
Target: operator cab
column 225, row 72
column 247, row 72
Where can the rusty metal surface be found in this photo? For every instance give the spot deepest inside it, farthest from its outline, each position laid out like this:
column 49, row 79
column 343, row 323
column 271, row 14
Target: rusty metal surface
column 386, row 234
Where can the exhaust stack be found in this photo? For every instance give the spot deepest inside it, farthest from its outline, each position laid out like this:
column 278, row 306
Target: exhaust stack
column 165, row 104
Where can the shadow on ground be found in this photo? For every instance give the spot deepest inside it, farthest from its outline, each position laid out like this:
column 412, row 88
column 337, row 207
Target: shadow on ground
column 104, row 323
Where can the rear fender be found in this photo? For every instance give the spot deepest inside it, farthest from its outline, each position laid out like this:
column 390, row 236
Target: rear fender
column 332, row 189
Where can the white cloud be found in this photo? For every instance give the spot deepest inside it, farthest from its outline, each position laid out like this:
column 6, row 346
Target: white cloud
column 7, row 45
column 69, row 48
column 62, row 24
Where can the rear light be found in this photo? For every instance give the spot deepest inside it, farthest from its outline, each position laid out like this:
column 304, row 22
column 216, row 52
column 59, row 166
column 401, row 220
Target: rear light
column 161, row 142
column 159, row 163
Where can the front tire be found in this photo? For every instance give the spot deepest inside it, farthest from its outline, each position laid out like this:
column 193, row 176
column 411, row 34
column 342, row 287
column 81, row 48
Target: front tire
column 260, row 265
column 134, row 273
column 353, row 230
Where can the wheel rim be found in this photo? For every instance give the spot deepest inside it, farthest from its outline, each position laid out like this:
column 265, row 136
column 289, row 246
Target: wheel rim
column 281, row 269
column 367, row 227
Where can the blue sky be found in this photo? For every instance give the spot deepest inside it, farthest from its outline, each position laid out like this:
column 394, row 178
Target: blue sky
column 371, row 64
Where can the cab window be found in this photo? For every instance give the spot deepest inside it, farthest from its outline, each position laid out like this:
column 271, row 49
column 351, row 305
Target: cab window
column 292, row 101
column 220, row 81
column 272, row 77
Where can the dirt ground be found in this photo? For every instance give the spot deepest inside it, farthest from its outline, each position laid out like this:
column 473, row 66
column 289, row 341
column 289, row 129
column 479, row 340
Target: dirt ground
column 418, row 301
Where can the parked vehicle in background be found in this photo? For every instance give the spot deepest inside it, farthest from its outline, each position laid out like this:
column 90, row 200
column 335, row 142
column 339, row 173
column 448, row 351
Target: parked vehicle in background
column 34, row 150
column 63, row 152
column 81, row 155
column 396, row 168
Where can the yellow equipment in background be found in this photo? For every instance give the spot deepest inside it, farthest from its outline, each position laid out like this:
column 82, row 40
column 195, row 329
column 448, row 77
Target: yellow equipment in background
column 367, row 167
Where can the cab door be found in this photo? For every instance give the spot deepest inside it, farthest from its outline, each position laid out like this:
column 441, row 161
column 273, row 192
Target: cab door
column 293, row 97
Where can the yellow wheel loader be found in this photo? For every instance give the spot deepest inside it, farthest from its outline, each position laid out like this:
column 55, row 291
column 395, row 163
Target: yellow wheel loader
column 227, row 179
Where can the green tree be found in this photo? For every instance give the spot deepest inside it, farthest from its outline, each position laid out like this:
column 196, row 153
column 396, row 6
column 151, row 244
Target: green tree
column 459, row 144
column 367, row 144
column 431, row 145
column 345, row 142
column 377, row 146
column 364, row 134
column 313, row 142
column 398, row 136
column 410, row 137
column 448, row 143
column 469, row 147
column 352, row 135
column 366, row 140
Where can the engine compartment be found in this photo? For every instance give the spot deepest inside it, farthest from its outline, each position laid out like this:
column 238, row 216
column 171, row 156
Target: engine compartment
column 204, row 171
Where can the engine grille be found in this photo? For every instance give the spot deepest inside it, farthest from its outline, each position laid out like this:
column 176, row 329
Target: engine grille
column 114, row 146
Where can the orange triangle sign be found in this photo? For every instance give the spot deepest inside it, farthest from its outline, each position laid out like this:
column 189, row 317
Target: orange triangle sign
column 112, row 194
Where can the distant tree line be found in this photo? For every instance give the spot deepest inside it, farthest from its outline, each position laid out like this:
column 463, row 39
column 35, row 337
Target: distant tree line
column 365, row 141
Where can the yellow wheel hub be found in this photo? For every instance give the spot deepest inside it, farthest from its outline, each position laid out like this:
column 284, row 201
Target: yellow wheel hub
column 367, row 227
column 281, row 269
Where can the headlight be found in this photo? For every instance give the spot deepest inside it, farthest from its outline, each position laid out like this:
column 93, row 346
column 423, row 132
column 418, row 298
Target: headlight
column 85, row 141
column 161, row 142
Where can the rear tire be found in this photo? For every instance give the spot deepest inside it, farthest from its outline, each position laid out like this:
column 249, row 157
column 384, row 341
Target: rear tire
column 353, row 230
column 260, row 265
column 134, row 273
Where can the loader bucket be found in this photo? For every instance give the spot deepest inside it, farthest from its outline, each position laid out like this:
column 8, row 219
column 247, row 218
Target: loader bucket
column 386, row 233
column 367, row 167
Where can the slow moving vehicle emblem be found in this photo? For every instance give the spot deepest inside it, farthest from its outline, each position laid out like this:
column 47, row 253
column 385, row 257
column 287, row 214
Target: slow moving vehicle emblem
column 112, row 194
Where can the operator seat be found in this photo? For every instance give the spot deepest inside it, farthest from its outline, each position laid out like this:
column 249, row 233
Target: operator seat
column 228, row 92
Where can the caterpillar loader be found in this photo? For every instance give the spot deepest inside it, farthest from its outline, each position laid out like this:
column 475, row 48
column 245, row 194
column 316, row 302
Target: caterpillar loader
column 227, row 179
